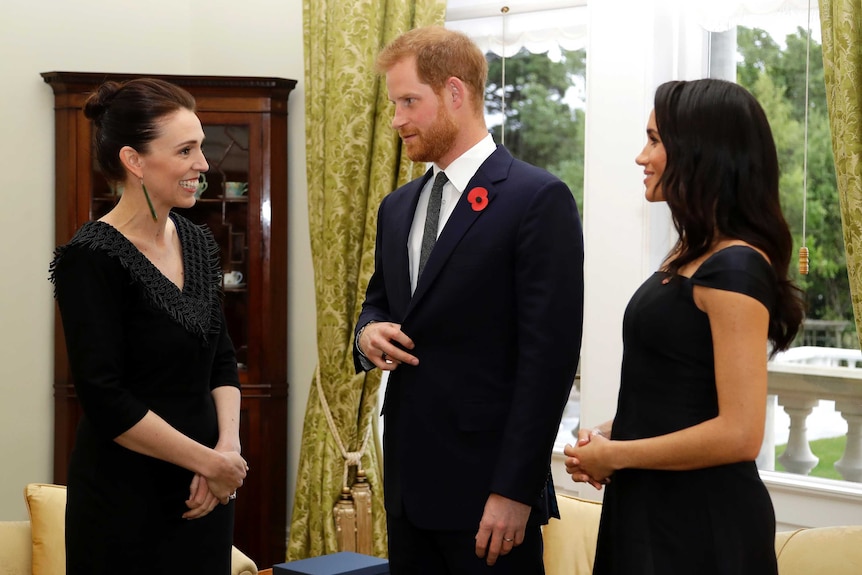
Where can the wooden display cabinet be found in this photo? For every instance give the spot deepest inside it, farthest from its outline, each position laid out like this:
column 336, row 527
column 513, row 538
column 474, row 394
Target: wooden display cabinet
column 245, row 122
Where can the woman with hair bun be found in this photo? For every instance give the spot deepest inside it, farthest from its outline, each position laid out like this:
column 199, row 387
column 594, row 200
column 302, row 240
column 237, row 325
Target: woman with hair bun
column 683, row 491
column 156, row 462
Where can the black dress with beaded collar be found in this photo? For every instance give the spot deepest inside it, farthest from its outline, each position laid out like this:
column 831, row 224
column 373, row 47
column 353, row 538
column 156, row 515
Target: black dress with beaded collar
column 137, row 343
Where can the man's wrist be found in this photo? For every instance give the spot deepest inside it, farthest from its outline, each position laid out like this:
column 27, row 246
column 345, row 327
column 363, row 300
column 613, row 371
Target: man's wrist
column 359, row 335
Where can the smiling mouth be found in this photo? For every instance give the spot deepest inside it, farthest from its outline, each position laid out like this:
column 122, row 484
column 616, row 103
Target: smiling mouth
column 189, row 185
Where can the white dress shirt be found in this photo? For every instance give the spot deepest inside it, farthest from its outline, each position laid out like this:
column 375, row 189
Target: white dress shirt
column 459, row 172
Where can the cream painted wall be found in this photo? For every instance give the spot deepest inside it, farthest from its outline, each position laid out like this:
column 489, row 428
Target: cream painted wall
column 219, row 37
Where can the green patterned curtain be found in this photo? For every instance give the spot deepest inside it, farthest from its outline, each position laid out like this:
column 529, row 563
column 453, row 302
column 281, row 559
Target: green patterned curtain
column 353, row 159
column 841, row 22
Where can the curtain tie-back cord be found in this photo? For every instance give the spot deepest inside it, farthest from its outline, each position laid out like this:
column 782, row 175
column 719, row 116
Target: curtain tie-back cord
column 350, row 457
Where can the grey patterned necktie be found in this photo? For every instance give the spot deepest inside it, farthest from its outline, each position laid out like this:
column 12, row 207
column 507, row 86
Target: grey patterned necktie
column 432, row 219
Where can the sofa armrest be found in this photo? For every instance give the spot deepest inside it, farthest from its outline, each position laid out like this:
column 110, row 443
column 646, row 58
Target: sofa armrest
column 570, row 542
column 822, row 550
column 782, row 538
column 16, row 548
column 16, row 552
column 241, row 564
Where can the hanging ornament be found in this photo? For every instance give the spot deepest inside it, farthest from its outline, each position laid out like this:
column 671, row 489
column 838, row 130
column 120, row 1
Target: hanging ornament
column 504, row 10
column 803, row 251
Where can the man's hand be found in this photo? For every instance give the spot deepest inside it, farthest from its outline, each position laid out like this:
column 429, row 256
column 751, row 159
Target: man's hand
column 502, row 527
column 377, row 342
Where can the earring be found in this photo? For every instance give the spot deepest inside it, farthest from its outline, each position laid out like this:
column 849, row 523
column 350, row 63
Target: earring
column 149, row 203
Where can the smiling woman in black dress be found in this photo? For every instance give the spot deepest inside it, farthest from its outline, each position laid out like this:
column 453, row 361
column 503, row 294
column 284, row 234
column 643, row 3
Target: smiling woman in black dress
column 683, row 492
column 156, row 462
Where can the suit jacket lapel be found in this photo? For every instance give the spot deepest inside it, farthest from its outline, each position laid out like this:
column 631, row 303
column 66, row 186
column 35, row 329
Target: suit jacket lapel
column 495, row 169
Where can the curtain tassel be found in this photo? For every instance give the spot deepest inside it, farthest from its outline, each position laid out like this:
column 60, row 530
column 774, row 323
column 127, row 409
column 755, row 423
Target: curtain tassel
column 345, row 521
column 361, row 493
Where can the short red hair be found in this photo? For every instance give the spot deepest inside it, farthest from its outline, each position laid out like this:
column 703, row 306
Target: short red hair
column 440, row 54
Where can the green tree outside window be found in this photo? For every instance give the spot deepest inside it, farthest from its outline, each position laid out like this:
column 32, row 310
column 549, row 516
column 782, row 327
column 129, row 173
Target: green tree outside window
column 544, row 125
column 776, row 77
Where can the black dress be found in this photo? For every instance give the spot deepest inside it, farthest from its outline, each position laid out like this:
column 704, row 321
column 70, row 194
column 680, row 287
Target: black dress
column 717, row 520
column 138, row 343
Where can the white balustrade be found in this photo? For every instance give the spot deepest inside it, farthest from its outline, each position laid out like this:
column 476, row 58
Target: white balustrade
column 800, row 378
column 797, row 456
column 850, row 464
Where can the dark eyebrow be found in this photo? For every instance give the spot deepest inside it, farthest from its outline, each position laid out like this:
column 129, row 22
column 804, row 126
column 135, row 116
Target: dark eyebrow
column 653, row 133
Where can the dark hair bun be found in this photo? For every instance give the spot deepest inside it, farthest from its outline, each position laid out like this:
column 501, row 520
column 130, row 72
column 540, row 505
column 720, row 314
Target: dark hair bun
column 100, row 100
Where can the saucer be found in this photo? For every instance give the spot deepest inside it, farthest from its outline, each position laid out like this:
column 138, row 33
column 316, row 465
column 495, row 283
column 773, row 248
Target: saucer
column 234, row 286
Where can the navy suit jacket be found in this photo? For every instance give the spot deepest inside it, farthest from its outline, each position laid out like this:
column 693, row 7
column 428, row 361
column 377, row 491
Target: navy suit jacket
column 496, row 320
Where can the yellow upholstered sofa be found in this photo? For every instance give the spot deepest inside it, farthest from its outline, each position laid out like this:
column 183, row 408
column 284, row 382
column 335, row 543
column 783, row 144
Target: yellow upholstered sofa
column 37, row 547
column 570, row 544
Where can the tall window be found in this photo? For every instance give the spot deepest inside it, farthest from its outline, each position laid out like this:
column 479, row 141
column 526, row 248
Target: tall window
column 538, row 111
column 772, row 65
column 535, row 101
column 535, row 98
column 808, row 431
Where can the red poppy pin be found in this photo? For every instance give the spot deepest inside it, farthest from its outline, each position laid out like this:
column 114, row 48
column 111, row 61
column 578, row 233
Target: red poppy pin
column 478, row 198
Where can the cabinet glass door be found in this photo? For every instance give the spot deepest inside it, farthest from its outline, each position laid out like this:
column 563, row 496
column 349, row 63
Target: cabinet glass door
column 223, row 206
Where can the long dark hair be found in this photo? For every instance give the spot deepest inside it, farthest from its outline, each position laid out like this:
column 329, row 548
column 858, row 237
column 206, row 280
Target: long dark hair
column 129, row 114
column 721, row 180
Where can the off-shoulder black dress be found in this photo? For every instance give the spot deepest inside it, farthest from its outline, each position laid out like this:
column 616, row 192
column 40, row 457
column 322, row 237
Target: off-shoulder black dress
column 136, row 342
column 717, row 520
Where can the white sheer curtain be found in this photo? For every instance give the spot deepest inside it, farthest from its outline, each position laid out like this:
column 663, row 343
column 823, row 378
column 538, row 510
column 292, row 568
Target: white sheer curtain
column 538, row 26
column 548, row 25
column 722, row 15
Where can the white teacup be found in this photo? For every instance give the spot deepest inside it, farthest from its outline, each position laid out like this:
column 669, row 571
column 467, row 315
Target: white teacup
column 233, row 278
column 202, row 186
column 235, row 189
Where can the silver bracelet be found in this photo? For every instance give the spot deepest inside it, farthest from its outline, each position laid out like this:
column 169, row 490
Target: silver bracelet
column 359, row 335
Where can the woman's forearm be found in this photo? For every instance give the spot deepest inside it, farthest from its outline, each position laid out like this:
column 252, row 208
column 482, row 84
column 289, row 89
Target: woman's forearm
column 227, row 401
column 155, row 437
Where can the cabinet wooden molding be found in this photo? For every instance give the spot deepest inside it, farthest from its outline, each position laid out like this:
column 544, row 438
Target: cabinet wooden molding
column 245, row 122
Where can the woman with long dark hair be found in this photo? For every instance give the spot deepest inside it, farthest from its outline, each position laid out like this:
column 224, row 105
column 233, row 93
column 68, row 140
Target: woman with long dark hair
column 683, row 491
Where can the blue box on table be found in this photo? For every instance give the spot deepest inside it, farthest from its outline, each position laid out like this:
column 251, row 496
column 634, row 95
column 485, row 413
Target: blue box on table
column 343, row 563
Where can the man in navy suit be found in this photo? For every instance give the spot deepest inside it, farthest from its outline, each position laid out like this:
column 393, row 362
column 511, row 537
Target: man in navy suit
column 483, row 345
